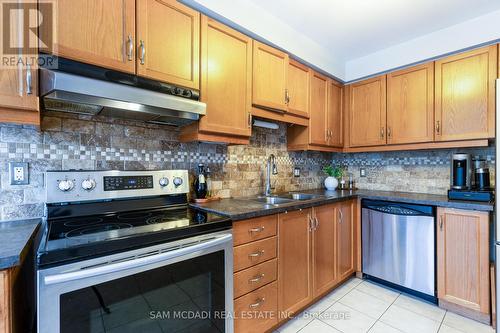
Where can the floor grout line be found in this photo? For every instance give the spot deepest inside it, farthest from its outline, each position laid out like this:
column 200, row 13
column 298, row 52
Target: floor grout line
column 378, row 320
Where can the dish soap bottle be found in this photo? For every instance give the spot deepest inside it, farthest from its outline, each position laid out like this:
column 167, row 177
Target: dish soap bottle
column 200, row 183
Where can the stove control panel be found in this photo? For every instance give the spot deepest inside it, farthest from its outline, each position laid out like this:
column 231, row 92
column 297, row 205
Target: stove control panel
column 116, row 183
column 74, row 186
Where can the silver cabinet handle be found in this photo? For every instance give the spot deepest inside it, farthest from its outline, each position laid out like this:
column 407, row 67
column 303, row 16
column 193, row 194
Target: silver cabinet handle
column 256, row 278
column 259, row 302
column 389, row 132
column 438, row 127
column 341, row 216
column 287, row 97
column 256, row 254
column 249, row 120
column 143, row 52
column 258, row 229
column 130, row 51
column 29, row 80
column 441, row 223
column 382, row 132
column 310, row 220
column 316, row 225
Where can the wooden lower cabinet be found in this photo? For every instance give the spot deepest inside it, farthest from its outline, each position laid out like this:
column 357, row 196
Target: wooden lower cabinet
column 463, row 262
column 294, row 283
column 324, row 249
column 315, row 253
column 255, row 277
column 256, row 311
column 345, row 238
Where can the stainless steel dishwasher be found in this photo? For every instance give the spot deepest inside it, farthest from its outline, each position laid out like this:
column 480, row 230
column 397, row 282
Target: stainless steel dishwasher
column 398, row 246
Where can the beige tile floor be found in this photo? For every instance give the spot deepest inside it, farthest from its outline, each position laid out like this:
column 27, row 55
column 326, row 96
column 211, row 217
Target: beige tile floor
column 361, row 306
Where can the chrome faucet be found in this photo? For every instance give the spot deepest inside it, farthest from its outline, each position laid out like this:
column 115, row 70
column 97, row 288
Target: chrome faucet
column 271, row 164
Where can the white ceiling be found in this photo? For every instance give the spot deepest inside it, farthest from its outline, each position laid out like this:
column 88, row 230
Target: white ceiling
column 354, row 28
column 351, row 39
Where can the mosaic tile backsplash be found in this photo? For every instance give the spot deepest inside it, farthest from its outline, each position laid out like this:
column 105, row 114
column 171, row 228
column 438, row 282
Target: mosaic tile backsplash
column 68, row 141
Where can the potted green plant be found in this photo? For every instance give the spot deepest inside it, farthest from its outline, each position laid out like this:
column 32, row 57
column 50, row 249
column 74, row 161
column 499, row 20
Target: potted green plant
column 333, row 173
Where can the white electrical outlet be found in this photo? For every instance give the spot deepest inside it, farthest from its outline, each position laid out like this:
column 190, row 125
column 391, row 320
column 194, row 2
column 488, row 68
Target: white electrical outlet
column 18, row 174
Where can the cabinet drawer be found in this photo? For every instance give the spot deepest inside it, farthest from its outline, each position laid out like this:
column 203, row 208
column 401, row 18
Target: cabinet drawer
column 254, row 277
column 257, row 312
column 254, row 229
column 254, row 253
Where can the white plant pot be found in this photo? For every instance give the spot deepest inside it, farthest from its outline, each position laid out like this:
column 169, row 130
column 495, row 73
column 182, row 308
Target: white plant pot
column 331, row 183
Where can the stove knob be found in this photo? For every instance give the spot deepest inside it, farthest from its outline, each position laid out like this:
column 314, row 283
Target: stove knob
column 88, row 184
column 66, row 185
column 178, row 181
column 163, row 181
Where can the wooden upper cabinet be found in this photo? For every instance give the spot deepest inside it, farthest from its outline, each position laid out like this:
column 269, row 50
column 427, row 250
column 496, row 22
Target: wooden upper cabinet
column 168, row 42
column 19, row 84
column 463, row 259
column 298, row 88
column 334, row 114
column 345, row 238
column 226, row 84
column 98, row 32
column 324, row 249
column 410, row 105
column 294, row 260
column 269, row 77
column 318, row 119
column 465, row 95
column 367, row 108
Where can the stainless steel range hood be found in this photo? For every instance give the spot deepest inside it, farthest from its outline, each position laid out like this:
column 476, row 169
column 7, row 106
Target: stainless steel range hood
column 67, row 92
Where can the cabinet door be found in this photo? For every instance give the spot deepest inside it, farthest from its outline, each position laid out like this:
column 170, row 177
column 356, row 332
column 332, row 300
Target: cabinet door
column 345, row 239
column 98, row 32
column 463, row 258
column 226, row 84
column 269, row 77
column 465, row 95
column 324, row 249
column 298, row 89
column 18, row 84
column 168, row 42
column 367, row 108
column 410, row 105
column 294, row 260
column 335, row 119
column 318, row 121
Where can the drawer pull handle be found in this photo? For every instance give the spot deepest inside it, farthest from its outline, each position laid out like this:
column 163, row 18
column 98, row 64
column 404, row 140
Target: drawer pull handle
column 259, row 302
column 259, row 229
column 256, row 254
column 256, row 279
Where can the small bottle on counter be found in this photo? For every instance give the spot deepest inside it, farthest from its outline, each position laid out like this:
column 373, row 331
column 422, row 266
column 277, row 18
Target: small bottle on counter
column 200, row 183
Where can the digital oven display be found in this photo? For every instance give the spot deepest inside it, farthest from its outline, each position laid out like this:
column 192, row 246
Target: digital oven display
column 118, row 183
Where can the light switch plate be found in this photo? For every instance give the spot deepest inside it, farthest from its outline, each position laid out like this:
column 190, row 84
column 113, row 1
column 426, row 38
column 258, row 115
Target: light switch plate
column 18, row 173
column 296, row 172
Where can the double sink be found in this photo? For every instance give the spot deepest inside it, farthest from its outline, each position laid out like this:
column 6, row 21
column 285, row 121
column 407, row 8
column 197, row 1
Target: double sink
column 278, row 200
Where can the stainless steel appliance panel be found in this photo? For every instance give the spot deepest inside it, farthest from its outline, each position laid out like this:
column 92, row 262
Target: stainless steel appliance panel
column 399, row 249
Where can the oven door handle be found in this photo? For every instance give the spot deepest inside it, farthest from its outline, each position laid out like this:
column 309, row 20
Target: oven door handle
column 134, row 262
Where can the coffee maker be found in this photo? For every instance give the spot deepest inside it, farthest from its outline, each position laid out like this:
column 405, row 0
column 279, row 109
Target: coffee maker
column 461, row 172
column 466, row 184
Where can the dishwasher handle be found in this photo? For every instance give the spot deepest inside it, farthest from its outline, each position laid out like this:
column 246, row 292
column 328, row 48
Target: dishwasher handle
column 401, row 209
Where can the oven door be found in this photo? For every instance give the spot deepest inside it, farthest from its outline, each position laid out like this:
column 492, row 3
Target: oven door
column 182, row 286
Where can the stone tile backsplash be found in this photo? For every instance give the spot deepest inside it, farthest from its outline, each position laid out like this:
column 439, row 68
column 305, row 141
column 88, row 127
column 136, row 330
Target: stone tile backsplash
column 69, row 141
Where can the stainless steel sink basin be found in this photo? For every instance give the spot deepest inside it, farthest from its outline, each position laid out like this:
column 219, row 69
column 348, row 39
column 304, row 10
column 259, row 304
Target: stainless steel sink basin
column 300, row 196
column 273, row 200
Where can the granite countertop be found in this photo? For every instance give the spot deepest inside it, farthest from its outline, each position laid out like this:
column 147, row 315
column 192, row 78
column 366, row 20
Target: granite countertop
column 15, row 236
column 244, row 208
